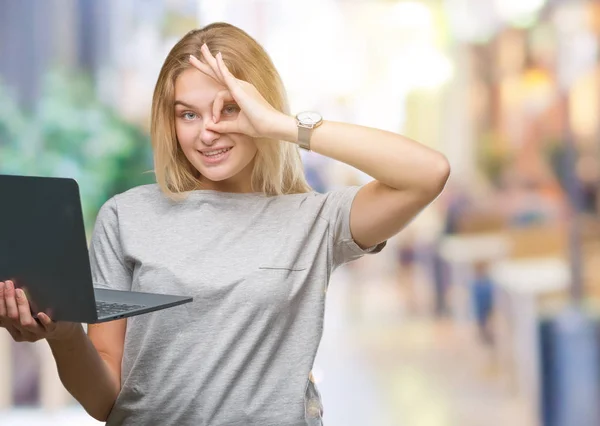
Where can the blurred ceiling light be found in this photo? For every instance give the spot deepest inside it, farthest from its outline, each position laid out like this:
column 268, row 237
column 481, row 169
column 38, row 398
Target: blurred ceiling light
column 329, row 58
column 414, row 60
column 212, row 11
column 471, row 20
column 410, row 14
column 420, row 67
column 519, row 12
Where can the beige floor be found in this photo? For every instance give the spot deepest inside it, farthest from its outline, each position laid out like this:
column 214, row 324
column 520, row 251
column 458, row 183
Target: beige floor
column 401, row 369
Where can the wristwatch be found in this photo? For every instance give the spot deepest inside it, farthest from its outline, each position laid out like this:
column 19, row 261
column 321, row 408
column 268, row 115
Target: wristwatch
column 307, row 121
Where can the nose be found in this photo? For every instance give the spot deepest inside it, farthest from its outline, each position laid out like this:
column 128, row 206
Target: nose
column 208, row 137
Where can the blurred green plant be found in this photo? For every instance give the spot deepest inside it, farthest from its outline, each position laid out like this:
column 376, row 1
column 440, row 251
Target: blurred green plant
column 555, row 151
column 492, row 156
column 70, row 133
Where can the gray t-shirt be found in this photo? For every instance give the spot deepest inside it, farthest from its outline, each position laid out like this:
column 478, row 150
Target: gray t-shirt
column 258, row 268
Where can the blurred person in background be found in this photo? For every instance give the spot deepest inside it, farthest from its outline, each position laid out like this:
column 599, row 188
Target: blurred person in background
column 456, row 203
column 482, row 295
column 231, row 221
column 406, row 253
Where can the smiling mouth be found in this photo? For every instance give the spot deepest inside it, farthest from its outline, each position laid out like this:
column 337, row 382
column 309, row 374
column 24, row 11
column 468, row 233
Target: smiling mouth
column 215, row 153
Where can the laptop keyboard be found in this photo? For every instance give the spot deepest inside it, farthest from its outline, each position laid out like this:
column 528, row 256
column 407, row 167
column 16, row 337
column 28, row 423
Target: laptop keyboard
column 110, row 308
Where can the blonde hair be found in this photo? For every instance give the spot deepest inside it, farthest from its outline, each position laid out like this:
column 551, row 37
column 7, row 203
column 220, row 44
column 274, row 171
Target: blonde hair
column 277, row 165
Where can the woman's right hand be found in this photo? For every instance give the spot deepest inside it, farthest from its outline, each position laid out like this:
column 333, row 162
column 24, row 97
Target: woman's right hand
column 16, row 318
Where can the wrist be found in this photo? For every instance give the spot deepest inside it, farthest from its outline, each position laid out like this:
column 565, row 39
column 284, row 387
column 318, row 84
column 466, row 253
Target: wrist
column 285, row 129
column 66, row 335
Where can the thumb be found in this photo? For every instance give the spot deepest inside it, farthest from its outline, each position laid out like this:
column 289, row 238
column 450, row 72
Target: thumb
column 46, row 322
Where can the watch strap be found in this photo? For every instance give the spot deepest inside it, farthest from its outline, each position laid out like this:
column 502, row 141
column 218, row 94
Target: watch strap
column 304, row 134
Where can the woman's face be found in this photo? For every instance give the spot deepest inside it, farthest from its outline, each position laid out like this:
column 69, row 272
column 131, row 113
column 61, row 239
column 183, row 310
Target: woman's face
column 225, row 161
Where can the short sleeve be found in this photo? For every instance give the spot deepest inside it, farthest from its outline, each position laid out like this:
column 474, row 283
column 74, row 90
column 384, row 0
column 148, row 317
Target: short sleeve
column 107, row 262
column 337, row 210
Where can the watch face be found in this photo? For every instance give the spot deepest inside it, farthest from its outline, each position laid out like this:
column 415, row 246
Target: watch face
column 309, row 117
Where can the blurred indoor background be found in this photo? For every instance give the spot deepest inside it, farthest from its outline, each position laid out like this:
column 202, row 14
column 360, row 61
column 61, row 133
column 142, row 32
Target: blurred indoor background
column 484, row 310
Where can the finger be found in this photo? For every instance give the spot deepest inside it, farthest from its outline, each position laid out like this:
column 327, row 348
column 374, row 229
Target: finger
column 222, row 97
column 229, row 79
column 204, row 68
column 9, row 298
column 46, row 322
column 25, row 319
column 227, row 126
column 2, row 303
column 212, row 62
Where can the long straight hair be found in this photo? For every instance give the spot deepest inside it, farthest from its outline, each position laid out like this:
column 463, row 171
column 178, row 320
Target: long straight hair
column 277, row 166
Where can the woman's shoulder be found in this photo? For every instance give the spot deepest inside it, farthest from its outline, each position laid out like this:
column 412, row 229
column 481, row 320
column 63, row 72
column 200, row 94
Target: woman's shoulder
column 146, row 190
column 141, row 195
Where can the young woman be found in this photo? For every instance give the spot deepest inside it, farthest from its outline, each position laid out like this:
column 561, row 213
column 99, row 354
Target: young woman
column 232, row 222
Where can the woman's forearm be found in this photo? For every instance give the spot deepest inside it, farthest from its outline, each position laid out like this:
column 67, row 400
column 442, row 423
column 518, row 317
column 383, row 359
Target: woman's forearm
column 392, row 159
column 85, row 374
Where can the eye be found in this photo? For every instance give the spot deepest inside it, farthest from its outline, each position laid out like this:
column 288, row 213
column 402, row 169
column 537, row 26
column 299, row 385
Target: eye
column 231, row 109
column 189, row 116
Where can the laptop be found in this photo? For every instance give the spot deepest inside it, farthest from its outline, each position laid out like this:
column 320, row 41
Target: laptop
column 43, row 250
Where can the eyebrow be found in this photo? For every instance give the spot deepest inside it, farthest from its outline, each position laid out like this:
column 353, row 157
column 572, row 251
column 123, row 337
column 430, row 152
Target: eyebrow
column 184, row 104
column 190, row 106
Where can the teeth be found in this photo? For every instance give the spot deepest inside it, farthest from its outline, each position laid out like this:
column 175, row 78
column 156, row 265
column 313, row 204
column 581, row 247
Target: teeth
column 213, row 153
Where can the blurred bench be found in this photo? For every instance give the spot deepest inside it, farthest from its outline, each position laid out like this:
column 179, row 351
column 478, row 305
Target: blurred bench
column 522, row 285
column 536, row 273
column 462, row 252
column 530, row 267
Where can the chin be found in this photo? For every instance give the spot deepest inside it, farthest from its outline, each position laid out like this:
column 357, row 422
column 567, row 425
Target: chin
column 218, row 176
column 219, row 179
